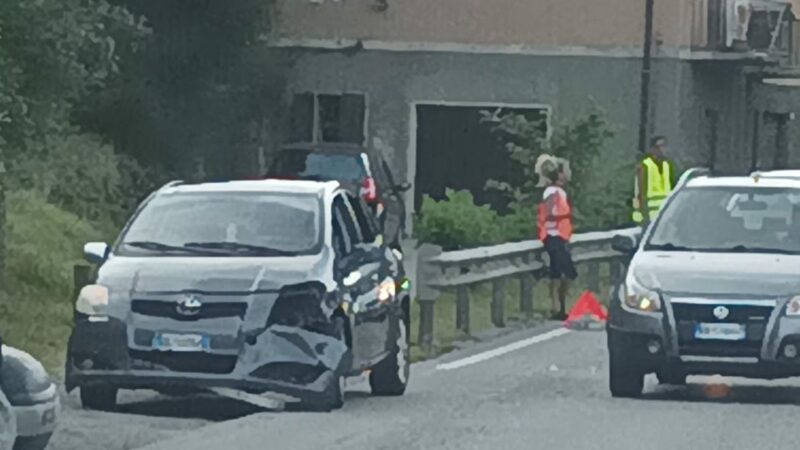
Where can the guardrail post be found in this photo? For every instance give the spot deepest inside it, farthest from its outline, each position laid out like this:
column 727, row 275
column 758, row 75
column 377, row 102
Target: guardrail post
column 80, row 278
column 427, row 294
column 498, row 302
column 526, row 285
column 462, row 308
column 426, row 325
column 594, row 277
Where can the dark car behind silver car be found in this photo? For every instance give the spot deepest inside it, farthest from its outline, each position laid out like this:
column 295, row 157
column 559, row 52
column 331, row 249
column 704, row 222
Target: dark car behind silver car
column 713, row 287
column 266, row 287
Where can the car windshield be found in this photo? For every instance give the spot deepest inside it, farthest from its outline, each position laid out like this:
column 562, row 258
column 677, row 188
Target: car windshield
column 729, row 219
column 227, row 222
column 323, row 166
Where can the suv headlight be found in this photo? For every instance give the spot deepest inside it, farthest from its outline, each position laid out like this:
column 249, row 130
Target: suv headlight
column 793, row 307
column 93, row 302
column 639, row 298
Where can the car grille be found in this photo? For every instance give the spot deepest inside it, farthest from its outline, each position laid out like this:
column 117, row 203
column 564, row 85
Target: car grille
column 167, row 309
column 755, row 318
column 185, row 362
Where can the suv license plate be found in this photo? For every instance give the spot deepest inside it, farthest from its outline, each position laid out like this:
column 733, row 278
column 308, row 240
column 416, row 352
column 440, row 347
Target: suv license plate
column 180, row 342
column 720, row 331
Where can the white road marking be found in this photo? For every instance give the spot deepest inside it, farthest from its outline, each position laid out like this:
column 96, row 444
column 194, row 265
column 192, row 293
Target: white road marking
column 489, row 354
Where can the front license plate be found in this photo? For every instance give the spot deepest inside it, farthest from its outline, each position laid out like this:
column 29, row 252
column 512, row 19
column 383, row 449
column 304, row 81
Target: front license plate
column 180, row 342
column 721, row 331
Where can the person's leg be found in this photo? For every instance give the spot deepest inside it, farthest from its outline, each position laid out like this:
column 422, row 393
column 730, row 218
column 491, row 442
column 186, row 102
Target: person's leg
column 554, row 297
column 563, row 290
column 551, row 246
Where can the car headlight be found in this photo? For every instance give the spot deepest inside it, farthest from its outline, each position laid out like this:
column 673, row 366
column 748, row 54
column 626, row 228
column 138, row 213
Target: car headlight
column 93, row 302
column 639, row 298
column 387, row 290
column 793, row 307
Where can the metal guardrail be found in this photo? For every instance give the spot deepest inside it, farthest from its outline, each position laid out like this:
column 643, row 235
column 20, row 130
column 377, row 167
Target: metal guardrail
column 437, row 271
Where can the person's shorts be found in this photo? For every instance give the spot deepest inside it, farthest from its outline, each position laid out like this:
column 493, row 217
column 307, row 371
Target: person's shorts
column 561, row 264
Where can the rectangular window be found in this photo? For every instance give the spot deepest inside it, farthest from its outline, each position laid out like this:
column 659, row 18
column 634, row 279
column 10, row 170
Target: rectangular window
column 334, row 118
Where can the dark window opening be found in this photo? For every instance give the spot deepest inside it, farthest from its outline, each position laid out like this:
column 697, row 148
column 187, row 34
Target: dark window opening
column 328, row 118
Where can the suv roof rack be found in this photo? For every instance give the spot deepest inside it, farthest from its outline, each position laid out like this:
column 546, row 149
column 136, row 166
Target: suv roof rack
column 170, row 184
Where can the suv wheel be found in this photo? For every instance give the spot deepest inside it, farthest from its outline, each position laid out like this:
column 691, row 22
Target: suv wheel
column 99, row 397
column 390, row 376
column 626, row 378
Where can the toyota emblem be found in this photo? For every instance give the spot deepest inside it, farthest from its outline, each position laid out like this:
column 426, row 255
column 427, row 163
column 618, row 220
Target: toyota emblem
column 189, row 306
column 721, row 312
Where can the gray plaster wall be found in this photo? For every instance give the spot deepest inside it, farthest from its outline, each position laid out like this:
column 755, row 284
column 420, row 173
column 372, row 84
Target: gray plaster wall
column 393, row 81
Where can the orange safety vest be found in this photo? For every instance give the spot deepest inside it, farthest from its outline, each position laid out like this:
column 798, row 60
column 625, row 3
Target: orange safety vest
column 562, row 224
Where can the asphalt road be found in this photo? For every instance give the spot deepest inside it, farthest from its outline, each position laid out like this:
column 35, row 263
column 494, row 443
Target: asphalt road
column 548, row 391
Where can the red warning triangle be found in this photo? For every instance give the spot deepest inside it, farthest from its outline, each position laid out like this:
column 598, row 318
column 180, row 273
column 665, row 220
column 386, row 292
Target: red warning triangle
column 587, row 305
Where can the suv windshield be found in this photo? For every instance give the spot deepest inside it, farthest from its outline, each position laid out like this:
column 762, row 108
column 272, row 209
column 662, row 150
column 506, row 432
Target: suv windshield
column 730, row 219
column 323, row 166
column 241, row 223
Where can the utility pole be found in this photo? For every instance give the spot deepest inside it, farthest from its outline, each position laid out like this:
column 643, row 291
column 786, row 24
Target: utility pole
column 644, row 99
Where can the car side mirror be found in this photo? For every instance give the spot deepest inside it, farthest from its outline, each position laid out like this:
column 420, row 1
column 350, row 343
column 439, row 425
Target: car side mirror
column 96, row 252
column 624, row 244
column 403, row 187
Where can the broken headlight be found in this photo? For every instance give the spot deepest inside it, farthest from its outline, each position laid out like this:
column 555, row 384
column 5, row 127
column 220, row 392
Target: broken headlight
column 299, row 305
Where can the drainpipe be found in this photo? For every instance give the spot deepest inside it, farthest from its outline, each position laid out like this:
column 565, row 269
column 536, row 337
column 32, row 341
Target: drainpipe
column 644, row 99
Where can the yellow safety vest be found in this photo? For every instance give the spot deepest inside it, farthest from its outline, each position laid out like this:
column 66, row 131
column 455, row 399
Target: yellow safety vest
column 659, row 186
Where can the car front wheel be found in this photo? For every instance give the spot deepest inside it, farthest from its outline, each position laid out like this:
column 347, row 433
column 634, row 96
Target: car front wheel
column 99, row 397
column 390, row 376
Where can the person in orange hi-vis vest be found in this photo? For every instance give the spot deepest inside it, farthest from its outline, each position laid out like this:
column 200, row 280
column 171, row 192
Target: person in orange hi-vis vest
column 555, row 229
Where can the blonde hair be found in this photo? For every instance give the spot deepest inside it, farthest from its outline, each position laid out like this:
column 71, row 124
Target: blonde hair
column 548, row 167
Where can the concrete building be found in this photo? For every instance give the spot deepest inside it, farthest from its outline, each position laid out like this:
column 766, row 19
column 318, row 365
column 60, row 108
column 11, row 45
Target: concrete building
column 409, row 77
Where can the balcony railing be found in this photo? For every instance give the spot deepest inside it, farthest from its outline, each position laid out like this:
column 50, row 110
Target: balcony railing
column 742, row 27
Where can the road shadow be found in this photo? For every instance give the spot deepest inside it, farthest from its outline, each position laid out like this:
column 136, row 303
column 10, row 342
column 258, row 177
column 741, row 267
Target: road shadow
column 209, row 407
column 205, row 407
column 722, row 393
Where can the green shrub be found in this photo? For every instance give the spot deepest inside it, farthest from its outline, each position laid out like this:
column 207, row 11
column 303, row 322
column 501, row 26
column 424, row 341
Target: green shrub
column 83, row 175
column 456, row 222
column 44, row 242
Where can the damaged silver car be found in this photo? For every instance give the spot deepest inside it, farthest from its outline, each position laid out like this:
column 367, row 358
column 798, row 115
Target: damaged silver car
column 266, row 288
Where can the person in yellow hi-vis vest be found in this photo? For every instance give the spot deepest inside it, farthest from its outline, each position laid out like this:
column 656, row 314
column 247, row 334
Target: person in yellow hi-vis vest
column 655, row 179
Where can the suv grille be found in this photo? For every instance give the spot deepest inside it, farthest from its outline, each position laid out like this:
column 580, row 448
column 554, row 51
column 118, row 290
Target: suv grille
column 158, row 308
column 755, row 318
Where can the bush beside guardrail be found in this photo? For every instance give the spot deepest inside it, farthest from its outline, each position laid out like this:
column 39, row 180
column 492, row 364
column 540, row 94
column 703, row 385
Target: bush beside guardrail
column 434, row 272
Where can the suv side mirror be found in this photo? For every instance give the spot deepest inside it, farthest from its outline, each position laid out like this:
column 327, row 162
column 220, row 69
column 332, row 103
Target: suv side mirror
column 624, row 244
column 403, row 187
column 96, row 252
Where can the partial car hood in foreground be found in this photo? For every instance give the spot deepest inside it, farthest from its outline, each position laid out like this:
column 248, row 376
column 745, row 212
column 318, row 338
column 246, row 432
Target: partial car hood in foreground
column 22, row 377
column 8, row 423
column 718, row 273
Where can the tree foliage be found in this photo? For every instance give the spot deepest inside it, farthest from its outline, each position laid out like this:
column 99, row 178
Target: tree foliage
column 52, row 54
column 195, row 91
column 598, row 193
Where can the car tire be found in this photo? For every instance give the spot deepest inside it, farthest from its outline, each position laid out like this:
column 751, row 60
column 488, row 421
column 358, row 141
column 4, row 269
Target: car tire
column 33, row 442
column 390, row 376
column 625, row 377
column 99, row 397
